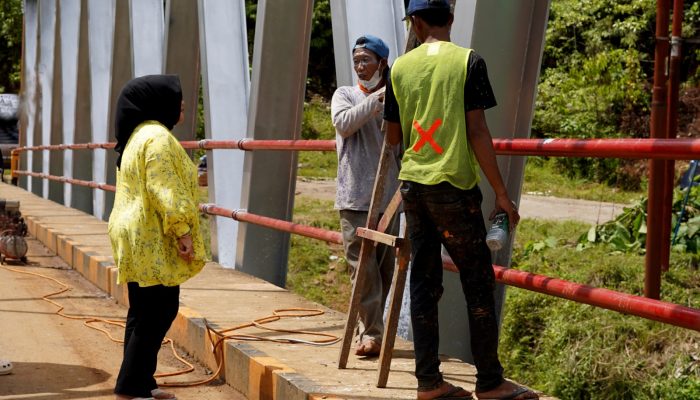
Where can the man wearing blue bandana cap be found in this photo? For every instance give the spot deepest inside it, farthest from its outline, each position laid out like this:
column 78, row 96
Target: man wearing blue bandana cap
column 435, row 102
column 356, row 113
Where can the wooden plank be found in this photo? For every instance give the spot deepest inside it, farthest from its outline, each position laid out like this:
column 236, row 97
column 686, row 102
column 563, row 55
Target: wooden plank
column 379, row 237
column 390, row 211
column 392, row 318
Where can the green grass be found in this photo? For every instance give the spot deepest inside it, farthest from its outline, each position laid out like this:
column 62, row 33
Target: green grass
column 575, row 351
column 542, row 177
column 317, row 270
column 317, row 125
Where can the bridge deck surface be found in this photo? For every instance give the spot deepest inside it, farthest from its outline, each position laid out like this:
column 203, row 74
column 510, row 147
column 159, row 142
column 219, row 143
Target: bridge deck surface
column 227, row 298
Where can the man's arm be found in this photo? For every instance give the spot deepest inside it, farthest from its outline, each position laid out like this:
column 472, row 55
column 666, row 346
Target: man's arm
column 481, row 142
column 348, row 118
column 393, row 132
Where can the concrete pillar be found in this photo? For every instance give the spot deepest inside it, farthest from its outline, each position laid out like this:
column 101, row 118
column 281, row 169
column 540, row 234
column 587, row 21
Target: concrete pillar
column 277, row 92
column 510, row 37
column 82, row 165
column 226, row 85
column 354, row 18
column 42, row 136
column 69, row 16
column 28, row 108
column 55, row 123
column 121, row 74
column 182, row 58
column 101, row 14
column 146, row 18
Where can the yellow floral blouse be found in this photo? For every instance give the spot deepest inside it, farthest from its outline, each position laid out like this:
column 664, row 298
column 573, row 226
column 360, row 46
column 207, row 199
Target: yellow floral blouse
column 155, row 203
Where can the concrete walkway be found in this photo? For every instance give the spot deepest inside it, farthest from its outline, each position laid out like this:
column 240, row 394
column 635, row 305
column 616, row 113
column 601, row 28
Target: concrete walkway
column 226, row 298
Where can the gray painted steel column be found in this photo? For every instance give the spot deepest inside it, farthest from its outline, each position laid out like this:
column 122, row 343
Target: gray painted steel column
column 69, row 16
column 276, row 108
column 121, row 74
column 47, row 35
column 182, row 58
column 146, row 18
column 82, row 166
column 28, row 109
column 55, row 192
column 225, row 84
column 101, row 15
column 510, row 37
column 354, row 18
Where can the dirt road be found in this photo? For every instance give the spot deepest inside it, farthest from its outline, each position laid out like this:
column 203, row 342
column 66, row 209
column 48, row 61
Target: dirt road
column 536, row 207
column 58, row 358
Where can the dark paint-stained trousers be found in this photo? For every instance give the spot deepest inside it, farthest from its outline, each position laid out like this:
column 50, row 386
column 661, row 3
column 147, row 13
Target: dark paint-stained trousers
column 444, row 215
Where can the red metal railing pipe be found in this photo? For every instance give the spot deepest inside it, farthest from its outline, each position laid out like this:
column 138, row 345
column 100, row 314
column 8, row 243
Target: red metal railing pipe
column 656, row 310
column 679, row 149
column 251, row 144
column 668, row 313
column 655, row 149
column 79, row 182
column 77, row 146
column 277, row 224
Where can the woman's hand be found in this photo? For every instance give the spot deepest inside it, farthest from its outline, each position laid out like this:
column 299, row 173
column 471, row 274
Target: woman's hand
column 184, row 247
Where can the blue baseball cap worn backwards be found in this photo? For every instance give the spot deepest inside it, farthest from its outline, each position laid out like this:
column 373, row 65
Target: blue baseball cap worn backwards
column 373, row 43
column 419, row 5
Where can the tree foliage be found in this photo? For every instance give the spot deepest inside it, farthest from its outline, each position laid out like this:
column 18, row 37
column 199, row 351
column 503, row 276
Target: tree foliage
column 597, row 73
column 321, row 71
column 10, row 45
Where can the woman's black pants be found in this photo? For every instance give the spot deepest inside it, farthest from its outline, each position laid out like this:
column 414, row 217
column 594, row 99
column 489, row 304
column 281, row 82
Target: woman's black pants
column 151, row 312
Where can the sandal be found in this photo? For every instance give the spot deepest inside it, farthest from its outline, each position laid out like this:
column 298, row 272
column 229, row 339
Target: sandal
column 452, row 394
column 160, row 394
column 514, row 395
column 5, row 367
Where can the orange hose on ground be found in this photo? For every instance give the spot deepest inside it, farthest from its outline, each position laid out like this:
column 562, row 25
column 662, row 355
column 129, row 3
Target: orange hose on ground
column 221, row 335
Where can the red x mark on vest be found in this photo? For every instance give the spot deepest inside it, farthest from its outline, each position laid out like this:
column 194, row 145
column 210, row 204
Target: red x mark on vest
column 427, row 137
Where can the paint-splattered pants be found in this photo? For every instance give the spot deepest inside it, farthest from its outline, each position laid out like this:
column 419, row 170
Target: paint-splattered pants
column 442, row 214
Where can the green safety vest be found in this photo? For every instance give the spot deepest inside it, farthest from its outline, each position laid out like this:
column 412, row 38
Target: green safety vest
column 428, row 84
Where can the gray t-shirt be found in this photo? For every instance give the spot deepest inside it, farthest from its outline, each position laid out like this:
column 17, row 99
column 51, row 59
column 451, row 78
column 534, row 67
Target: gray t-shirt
column 357, row 118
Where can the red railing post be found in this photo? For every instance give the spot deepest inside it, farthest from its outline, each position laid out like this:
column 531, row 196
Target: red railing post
column 657, row 171
column 674, row 70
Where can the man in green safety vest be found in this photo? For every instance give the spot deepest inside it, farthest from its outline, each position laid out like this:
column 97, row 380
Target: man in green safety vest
column 435, row 102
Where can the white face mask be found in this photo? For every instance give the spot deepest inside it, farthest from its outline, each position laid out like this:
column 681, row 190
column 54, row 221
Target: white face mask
column 373, row 82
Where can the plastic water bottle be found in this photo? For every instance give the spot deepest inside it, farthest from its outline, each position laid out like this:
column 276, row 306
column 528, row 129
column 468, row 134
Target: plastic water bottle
column 498, row 234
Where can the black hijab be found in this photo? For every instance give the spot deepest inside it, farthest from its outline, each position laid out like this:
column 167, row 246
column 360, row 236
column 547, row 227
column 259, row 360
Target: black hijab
column 150, row 97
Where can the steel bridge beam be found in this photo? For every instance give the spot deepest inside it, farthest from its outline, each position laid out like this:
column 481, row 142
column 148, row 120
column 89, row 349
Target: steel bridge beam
column 182, row 58
column 226, row 85
column 354, row 18
column 101, row 17
column 69, row 17
column 28, row 111
column 276, row 111
column 121, row 70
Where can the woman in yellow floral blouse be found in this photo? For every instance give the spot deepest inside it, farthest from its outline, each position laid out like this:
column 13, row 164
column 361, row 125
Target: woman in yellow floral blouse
column 154, row 225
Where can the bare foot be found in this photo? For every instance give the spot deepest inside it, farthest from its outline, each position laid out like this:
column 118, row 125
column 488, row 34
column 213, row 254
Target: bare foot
column 445, row 391
column 508, row 391
column 368, row 348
